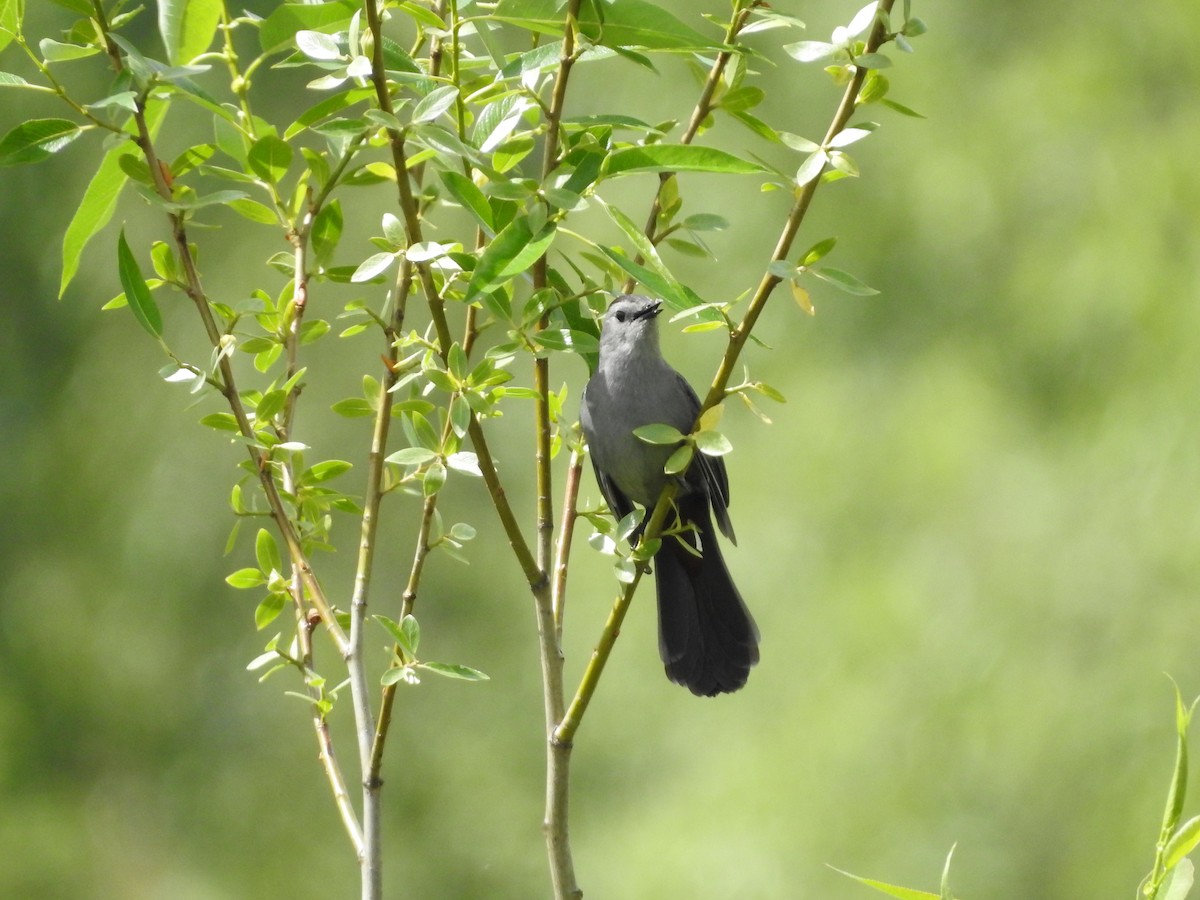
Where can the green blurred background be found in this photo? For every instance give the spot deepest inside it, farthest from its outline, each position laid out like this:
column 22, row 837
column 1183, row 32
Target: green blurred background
column 970, row 537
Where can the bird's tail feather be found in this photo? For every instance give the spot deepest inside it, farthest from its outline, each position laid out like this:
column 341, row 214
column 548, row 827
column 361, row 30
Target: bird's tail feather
column 706, row 636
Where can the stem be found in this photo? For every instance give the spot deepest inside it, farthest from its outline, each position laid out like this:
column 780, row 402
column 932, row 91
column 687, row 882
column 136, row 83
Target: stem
column 562, row 550
column 700, row 112
column 437, row 311
column 547, row 597
column 565, row 733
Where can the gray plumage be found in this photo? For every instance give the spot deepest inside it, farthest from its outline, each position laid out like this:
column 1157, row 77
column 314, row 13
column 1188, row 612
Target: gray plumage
column 707, row 639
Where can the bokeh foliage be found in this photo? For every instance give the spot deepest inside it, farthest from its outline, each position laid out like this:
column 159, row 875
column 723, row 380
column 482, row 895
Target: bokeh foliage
column 968, row 539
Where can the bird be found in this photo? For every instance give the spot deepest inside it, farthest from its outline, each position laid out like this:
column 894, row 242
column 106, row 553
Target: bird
column 707, row 639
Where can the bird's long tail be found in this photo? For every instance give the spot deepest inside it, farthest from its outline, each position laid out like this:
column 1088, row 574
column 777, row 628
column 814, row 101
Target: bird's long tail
column 706, row 636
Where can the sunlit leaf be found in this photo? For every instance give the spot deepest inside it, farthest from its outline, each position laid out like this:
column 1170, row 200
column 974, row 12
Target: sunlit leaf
column 677, row 158
column 36, row 140
column 187, row 27
column 137, row 293
column 453, row 670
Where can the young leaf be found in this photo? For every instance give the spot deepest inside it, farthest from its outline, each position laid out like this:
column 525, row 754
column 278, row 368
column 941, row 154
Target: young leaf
column 435, row 103
column 809, row 51
column 137, row 293
column 712, row 443
column 450, row 670
column 411, row 456
column 36, row 140
column 845, row 281
column 245, row 578
column 463, row 190
column 268, row 610
column 269, row 158
column 679, row 460
column 266, row 551
column 412, row 634
column 658, row 434
column 509, row 254
column 11, row 13
column 677, row 158
column 811, row 167
column 890, row 889
column 281, row 26
column 1178, row 883
column 318, row 45
column 187, row 27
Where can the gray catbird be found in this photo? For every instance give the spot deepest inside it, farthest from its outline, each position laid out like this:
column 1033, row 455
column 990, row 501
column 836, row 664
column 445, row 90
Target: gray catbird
column 706, row 636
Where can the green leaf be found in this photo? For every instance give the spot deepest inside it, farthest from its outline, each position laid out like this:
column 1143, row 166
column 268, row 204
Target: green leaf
column 510, row 253
column 712, row 443
column 677, row 158
column 187, row 27
column 36, row 140
column 634, row 23
column 327, row 230
column 7, row 79
column 100, row 199
column 246, row 578
column 1178, row 883
column 221, row 421
column 818, row 251
column 451, row 670
column 705, row 222
column 397, row 674
column 809, row 51
column 811, row 167
column 254, row 211
column 742, row 98
column 678, row 461
column 872, row 61
column 280, row 26
column 407, row 633
column 353, row 408
column 137, row 293
column 435, row 477
column 267, row 611
column 83, row 7
column 266, row 551
column 845, row 281
column 411, row 456
column 567, row 341
column 56, row 51
column 890, row 889
column 626, row 23
column 11, row 14
column 435, row 103
column 659, row 434
column 901, row 108
column 464, row 190
column 374, row 265
column 269, row 158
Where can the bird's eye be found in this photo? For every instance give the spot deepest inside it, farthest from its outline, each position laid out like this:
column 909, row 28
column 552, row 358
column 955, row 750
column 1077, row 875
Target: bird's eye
column 620, row 315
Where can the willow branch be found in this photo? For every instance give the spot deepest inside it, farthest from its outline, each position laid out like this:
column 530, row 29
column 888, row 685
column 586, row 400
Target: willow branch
column 562, row 548
column 701, row 111
column 437, row 311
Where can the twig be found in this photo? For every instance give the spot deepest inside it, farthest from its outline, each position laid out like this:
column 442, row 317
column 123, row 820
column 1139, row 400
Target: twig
column 699, row 113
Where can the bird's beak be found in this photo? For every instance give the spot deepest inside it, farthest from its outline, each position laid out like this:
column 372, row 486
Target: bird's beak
column 650, row 311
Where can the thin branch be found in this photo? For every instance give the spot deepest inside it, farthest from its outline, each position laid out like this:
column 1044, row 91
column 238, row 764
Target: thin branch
column 437, row 310
column 701, row 111
column 558, row 754
column 562, row 549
